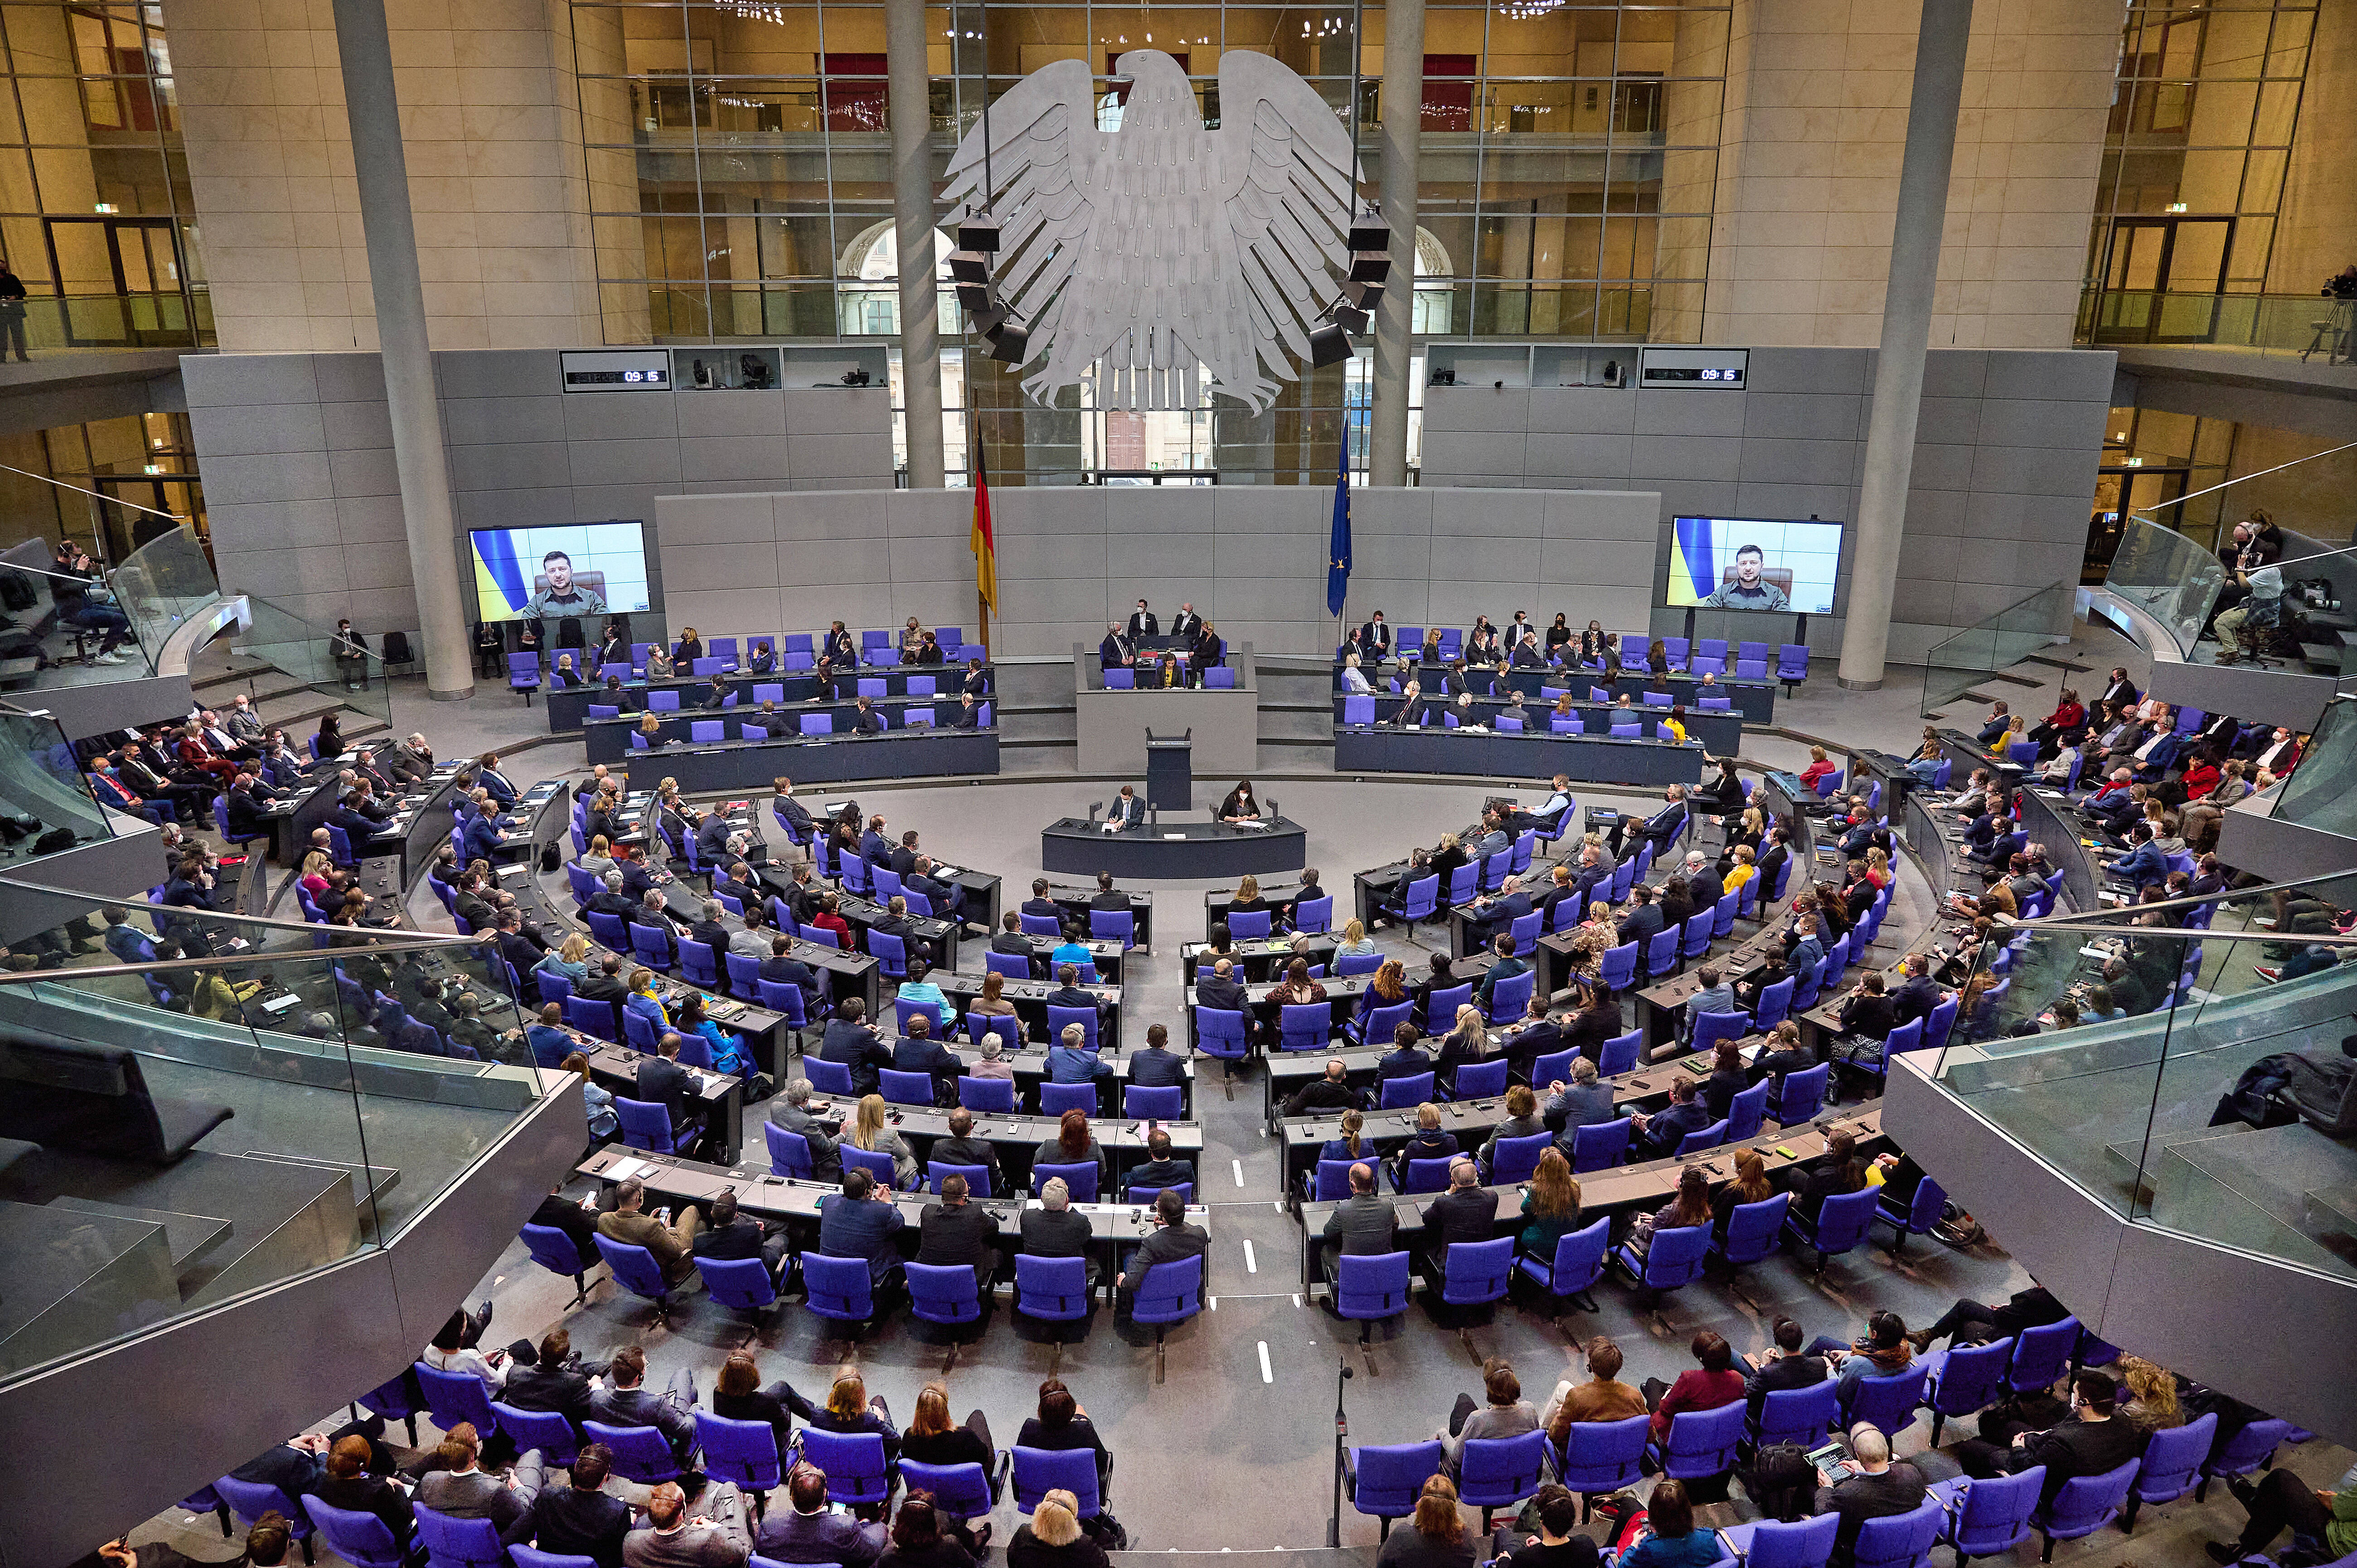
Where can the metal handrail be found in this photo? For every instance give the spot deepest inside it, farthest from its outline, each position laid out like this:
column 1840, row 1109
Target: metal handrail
column 242, row 961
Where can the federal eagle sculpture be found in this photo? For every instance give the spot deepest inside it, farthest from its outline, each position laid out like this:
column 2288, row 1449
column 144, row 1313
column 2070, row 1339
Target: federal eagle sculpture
column 1162, row 252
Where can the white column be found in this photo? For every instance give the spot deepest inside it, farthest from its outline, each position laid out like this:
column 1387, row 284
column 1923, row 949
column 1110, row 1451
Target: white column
column 411, row 400
column 1906, row 329
column 1403, row 106
column 913, row 214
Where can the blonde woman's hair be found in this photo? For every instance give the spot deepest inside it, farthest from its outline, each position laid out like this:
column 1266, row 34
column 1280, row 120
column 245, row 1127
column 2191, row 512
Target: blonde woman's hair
column 575, row 949
column 600, row 846
column 1249, row 887
column 1817, row 754
column 1056, row 1520
column 315, row 863
column 871, row 1122
column 642, row 978
column 1355, row 930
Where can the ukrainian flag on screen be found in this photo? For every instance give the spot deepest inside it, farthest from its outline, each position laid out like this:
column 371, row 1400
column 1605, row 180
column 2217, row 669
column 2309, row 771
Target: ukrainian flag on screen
column 1691, row 560
column 499, row 578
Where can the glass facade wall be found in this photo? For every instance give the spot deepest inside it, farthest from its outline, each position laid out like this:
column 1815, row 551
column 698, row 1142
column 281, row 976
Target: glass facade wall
column 96, row 215
column 2203, row 117
column 740, row 163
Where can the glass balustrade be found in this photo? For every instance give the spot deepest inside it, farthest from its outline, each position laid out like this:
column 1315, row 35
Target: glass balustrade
column 2168, row 576
column 2029, row 624
column 2308, row 326
column 2164, row 1068
column 46, row 802
column 209, row 1105
column 308, row 652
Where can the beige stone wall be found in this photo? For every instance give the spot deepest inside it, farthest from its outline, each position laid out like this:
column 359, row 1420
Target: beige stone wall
column 1808, row 176
column 491, row 125
column 2316, row 233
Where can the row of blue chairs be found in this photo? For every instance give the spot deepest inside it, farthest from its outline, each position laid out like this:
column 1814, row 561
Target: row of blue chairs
column 702, row 731
column 1046, row 1290
column 1976, row 1518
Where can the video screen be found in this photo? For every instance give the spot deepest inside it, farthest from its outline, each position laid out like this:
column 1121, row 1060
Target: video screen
column 1751, row 563
column 567, row 569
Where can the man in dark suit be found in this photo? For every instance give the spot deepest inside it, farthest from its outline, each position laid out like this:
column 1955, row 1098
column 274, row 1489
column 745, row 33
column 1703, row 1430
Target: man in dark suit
column 662, row 1080
column 1506, row 968
column 962, row 1148
column 482, row 837
column 1879, row 1489
column 967, row 714
column 624, row 1402
column 1172, row 1239
column 1919, row 994
column 1662, row 826
column 732, row 1235
column 711, row 832
column 579, row 1224
column 1218, row 988
column 1157, row 1066
column 1362, row 1224
column 2093, row 1442
column 1771, row 864
column 811, row 1532
column 1115, row 651
column 517, row 949
column 782, row 968
column 917, row 1051
column 942, row 895
column 1053, row 1231
column 577, row 1518
column 1129, row 812
column 1642, row 924
column 1660, row 1133
column 1142, row 623
column 1159, row 1169
column 707, row 928
column 955, row 1232
column 864, row 719
column 1998, row 722
column 902, row 857
column 360, row 827
column 1526, row 654
column 1464, row 1213
column 1404, row 1059
column 850, row 1041
column 1490, row 915
column 1069, row 993
column 783, row 806
column 1040, row 902
column 895, row 922
column 738, row 882
column 1374, row 638
column 1011, row 941
column 1783, row 1367
column 860, row 1222
column 244, row 806
column 604, row 983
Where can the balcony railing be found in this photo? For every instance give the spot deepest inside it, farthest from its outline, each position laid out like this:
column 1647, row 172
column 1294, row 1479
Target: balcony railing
column 2304, row 326
column 2119, row 1049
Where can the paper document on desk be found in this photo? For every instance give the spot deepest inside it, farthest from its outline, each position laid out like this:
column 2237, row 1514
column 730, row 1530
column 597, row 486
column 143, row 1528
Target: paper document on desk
column 280, row 1004
column 1254, row 822
column 625, row 1169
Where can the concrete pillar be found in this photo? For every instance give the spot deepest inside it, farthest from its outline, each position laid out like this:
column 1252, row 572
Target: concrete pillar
column 912, row 215
column 1940, row 46
column 410, row 397
column 1402, row 104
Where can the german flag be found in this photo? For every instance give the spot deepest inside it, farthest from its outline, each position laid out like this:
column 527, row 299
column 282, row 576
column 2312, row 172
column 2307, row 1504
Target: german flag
column 986, row 547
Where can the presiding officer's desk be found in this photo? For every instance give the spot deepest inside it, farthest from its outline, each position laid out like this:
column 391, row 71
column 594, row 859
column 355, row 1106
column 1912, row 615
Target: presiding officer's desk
column 568, row 707
column 1172, row 851
column 1589, row 758
column 1624, row 1189
column 616, row 740
column 1720, row 733
column 1112, row 1226
column 1469, row 1122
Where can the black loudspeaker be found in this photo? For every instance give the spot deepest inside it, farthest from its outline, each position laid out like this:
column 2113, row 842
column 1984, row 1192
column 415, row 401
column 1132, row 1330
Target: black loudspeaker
column 978, row 234
column 1349, row 320
column 969, row 266
column 1329, row 344
column 1010, row 344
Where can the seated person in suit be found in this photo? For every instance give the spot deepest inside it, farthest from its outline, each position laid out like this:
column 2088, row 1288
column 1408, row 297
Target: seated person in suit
column 1360, row 1225
column 1159, row 1169
column 1660, row 1134
column 1156, row 1065
column 1173, row 1240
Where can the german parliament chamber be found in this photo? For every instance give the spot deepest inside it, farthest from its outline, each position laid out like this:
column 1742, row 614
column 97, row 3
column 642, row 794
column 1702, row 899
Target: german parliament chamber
column 800, row 784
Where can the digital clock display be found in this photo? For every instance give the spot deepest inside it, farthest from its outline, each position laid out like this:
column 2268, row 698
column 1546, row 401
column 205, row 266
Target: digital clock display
column 1728, row 375
column 647, row 378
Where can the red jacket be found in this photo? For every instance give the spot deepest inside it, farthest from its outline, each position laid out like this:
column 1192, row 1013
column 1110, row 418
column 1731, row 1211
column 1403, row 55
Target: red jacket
column 1696, row 1390
column 2201, row 778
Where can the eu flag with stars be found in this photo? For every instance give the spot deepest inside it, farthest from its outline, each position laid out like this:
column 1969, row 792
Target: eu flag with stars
column 1337, row 548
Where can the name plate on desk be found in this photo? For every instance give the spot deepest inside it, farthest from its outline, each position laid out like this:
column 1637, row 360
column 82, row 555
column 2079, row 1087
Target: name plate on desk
column 1181, row 837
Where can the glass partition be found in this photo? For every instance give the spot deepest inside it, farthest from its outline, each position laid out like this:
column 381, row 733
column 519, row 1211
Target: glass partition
column 2168, row 576
column 220, row 1104
column 1959, row 662
column 163, row 583
column 297, row 647
column 2322, row 791
column 2165, row 1065
column 45, row 805
column 64, row 629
